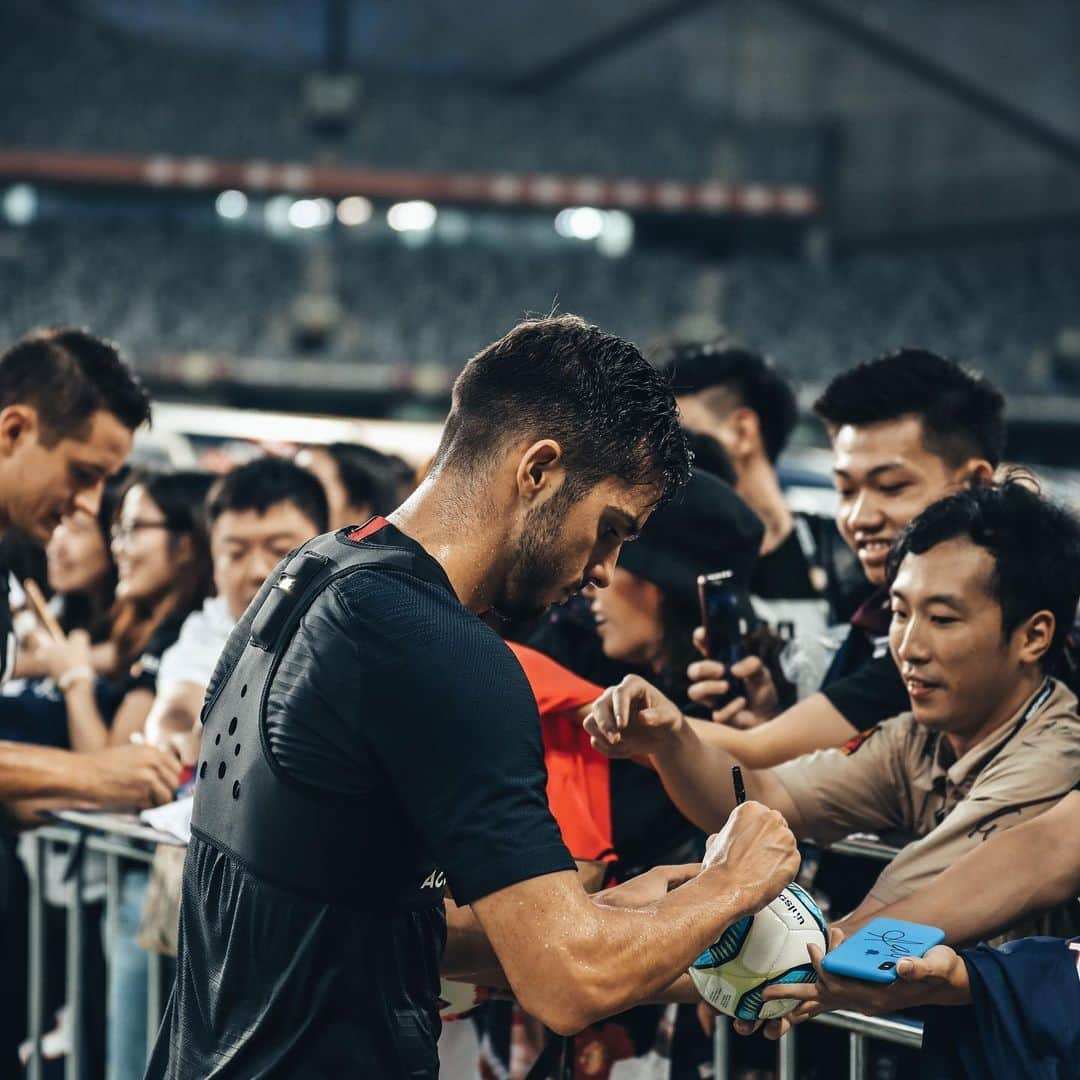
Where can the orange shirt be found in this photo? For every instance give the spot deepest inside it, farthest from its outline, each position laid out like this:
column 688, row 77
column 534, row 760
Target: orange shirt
column 579, row 779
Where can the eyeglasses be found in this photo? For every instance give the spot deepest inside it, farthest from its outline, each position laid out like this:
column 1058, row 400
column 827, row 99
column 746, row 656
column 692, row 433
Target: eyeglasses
column 123, row 534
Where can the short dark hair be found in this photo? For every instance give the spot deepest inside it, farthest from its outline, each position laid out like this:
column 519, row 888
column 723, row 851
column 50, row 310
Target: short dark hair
column 710, row 456
column 1035, row 544
column 265, row 482
column 962, row 412
column 750, row 380
column 611, row 411
column 369, row 476
column 67, row 376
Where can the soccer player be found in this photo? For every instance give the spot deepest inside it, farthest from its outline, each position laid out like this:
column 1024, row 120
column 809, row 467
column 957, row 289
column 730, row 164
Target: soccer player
column 368, row 740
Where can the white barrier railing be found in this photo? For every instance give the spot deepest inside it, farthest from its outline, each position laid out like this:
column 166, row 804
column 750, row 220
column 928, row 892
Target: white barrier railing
column 119, row 848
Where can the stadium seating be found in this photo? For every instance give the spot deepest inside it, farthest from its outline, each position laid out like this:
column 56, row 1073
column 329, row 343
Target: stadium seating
column 166, row 287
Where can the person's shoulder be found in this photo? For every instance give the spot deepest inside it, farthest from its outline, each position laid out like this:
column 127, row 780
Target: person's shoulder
column 1061, row 710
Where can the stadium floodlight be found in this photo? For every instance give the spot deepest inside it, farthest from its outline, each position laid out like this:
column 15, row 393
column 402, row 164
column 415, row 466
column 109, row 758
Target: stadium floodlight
column 579, row 222
column 231, row 204
column 617, row 235
column 20, row 204
column 311, row 213
column 414, row 216
column 354, row 210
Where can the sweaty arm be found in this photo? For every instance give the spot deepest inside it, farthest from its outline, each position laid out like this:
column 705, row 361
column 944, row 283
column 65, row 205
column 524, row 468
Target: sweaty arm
column 572, row 961
column 1019, row 872
column 634, row 718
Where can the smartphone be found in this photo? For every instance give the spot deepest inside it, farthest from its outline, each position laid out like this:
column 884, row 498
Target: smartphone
column 873, row 953
column 725, row 624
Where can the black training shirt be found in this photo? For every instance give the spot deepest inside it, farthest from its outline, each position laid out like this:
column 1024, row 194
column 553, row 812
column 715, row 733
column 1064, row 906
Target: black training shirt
column 390, row 691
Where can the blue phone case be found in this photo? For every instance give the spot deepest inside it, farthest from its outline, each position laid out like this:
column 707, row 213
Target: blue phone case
column 873, row 952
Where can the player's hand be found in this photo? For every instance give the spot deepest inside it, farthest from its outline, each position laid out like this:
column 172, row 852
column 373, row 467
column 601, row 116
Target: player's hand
column 709, row 680
column 755, row 852
column 646, row 889
column 631, row 719
column 129, row 776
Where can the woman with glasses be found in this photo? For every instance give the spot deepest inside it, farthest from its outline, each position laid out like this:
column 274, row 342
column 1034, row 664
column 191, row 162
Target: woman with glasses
column 160, row 546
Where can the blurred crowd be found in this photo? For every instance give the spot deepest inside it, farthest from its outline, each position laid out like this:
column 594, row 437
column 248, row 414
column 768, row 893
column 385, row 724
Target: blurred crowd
column 904, row 669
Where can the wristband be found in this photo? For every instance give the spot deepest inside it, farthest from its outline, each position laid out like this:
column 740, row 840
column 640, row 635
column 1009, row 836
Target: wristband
column 74, row 675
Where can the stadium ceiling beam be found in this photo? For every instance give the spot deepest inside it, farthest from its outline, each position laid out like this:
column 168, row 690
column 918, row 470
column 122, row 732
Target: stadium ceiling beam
column 604, row 45
column 1029, row 127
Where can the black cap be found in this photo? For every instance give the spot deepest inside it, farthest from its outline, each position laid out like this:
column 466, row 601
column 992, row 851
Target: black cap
column 706, row 527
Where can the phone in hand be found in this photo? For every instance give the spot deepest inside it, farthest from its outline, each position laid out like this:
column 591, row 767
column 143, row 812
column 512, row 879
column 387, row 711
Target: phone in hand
column 726, row 626
column 873, row 952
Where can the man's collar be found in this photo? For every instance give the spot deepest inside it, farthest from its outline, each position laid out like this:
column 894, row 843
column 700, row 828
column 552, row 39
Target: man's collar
column 873, row 615
column 959, row 771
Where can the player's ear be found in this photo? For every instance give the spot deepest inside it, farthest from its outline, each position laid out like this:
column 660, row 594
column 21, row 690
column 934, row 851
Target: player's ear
column 540, row 470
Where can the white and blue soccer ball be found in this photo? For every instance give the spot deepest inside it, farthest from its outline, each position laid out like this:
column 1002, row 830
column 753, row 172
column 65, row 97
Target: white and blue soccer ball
column 759, row 951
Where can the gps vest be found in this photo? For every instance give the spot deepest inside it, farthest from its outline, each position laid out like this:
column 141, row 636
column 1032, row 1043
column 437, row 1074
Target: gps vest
column 289, row 833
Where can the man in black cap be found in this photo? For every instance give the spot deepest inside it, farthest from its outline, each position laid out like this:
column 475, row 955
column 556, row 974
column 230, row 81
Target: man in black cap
column 645, row 619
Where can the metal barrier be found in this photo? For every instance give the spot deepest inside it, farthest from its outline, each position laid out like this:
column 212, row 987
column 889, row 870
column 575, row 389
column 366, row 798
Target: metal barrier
column 117, row 849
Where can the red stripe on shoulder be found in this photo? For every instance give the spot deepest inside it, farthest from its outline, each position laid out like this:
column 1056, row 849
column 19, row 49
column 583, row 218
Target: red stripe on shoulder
column 368, row 529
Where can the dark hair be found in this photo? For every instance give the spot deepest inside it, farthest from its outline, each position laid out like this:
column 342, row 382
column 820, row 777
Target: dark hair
column 962, row 412
column 370, row 477
column 710, row 456
column 90, row 611
column 1035, row 544
column 67, row 376
column 749, row 380
column 266, row 482
column 610, row 410
column 181, row 498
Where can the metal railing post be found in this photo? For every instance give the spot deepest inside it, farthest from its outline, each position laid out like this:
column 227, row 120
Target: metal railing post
column 720, row 1047
column 74, row 971
column 35, row 968
column 857, row 1057
column 787, row 1056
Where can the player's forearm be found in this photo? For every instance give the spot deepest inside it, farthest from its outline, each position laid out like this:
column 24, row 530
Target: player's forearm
column 468, row 950
column 636, row 955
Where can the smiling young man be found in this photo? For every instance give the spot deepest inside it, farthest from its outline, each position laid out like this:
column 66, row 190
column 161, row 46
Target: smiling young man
column 368, row 740
column 984, row 591
column 906, row 429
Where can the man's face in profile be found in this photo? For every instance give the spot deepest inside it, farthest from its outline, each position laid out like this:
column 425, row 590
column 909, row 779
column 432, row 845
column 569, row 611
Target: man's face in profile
column 563, row 546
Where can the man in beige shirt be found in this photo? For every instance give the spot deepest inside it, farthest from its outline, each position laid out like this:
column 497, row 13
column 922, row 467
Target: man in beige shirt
column 983, row 591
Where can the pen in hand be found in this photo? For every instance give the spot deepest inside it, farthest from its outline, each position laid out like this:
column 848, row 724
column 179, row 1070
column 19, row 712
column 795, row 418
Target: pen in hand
column 737, row 781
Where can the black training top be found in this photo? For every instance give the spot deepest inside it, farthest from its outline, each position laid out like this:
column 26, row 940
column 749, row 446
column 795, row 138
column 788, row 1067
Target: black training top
column 393, row 697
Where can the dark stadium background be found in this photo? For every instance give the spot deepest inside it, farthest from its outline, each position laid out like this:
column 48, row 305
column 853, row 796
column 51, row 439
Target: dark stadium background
column 820, row 180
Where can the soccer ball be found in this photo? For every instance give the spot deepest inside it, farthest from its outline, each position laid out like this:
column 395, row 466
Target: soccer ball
column 759, row 951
